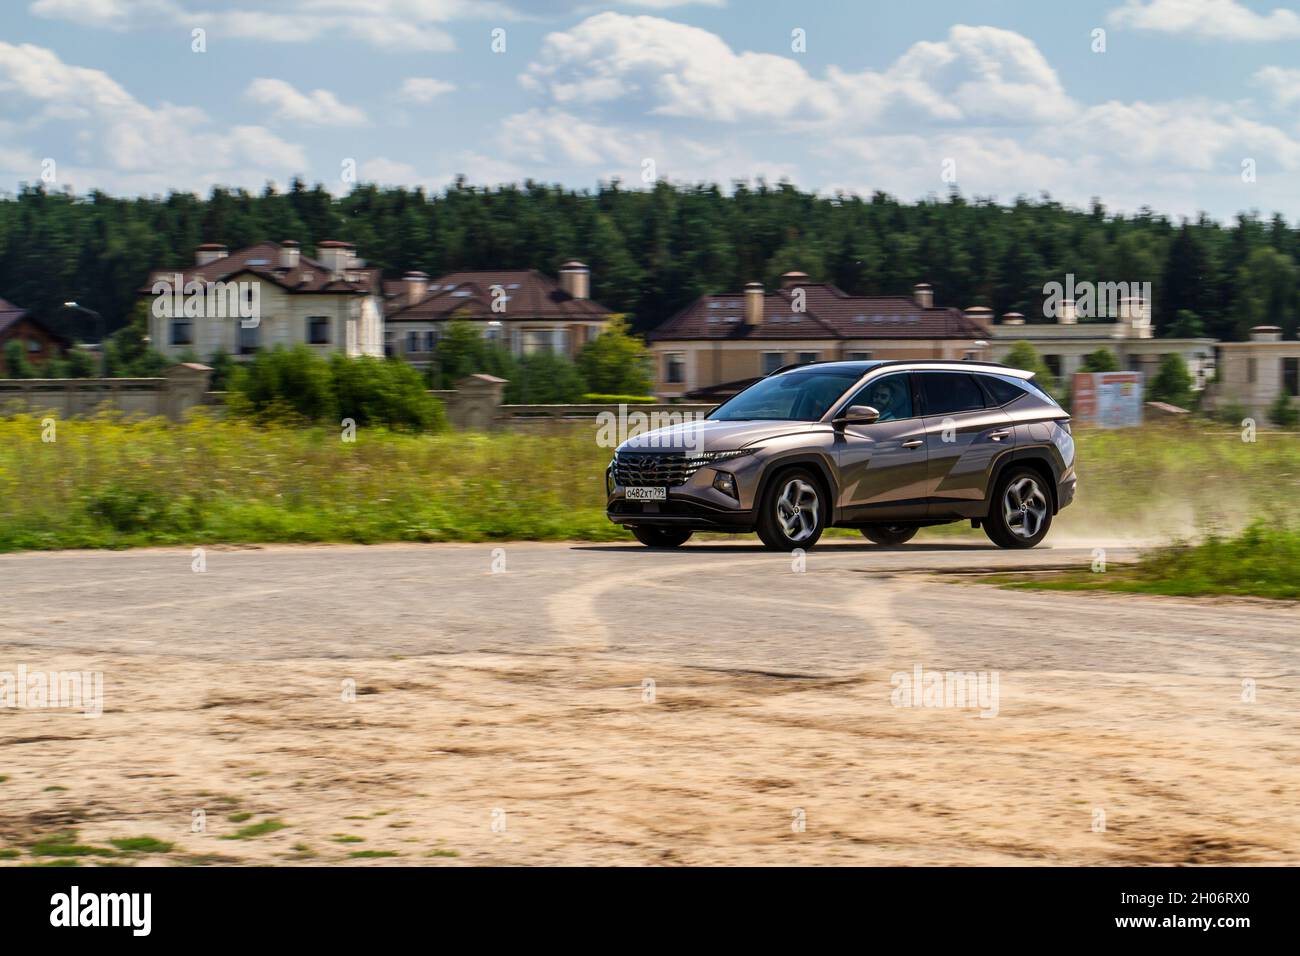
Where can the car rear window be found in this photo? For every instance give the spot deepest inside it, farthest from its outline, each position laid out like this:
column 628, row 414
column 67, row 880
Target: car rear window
column 945, row 393
column 1003, row 390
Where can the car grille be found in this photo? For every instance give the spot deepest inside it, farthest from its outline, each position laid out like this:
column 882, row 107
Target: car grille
column 654, row 468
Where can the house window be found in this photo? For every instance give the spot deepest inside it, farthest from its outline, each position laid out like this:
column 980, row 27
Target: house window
column 33, row 346
column 1250, row 371
column 674, row 368
column 430, row 340
column 318, row 330
column 544, row 340
column 412, row 341
column 1053, row 363
column 806, row 357
column 857, row 356
column 772, row 361
column 182, row 332
column 249, row 339
column 1291, row 376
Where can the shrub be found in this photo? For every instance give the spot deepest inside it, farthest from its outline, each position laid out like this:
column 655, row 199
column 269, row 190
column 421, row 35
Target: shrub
column 16, row 364
column 1173, row 383
column 1283, row 412
column 616, row 362
column 387, row 392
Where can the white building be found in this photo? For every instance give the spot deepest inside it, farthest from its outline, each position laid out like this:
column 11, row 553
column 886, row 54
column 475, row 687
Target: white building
column 1252, row 374
column 267, row 295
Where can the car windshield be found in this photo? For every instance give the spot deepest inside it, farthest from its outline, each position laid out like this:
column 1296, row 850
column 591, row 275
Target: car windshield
column 800, row 396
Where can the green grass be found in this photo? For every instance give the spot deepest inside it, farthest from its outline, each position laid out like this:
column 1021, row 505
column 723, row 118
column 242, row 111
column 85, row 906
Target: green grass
column 141, row 844
column 371, row 854
column 64, row 845
column 1260, row 562
column 108, row 482
column 10, row 854
column 348, row 838
column 239, row 817
column 255, row 830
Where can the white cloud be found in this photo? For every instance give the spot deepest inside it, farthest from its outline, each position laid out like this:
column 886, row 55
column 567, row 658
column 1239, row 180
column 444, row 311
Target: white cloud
column 672, row 69
column 386, row 24
column 1283, row 84
column 424, row 89
column 316, row 108
column 1214, row 19
column 119, row 139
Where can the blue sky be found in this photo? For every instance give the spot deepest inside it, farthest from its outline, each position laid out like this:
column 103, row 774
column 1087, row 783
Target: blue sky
column 1002, row 97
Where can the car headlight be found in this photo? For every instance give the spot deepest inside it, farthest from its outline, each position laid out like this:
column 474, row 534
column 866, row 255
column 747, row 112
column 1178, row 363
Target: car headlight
column 710, row 457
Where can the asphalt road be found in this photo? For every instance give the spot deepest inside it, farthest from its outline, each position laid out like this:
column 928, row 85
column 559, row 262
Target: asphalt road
column 715, row 605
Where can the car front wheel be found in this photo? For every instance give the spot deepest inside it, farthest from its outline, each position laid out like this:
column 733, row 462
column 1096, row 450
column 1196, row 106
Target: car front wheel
column 1022, row 510
column 792, row 514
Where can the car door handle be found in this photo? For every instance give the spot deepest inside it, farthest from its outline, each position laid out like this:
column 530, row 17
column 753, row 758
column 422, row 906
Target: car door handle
column 914, row 443
column 1000, row 434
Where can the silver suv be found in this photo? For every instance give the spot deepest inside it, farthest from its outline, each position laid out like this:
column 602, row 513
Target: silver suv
column 884, row 447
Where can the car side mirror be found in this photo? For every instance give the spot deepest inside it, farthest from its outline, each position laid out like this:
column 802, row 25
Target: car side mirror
column 858, row 415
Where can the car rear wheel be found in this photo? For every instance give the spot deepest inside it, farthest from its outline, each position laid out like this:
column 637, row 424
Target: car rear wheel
column 1022, row 510
column 793, row 514
column 653, row 537
column 889, row 533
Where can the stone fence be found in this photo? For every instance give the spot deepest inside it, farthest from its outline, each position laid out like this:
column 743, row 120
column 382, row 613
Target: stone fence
column 474, row 404
column 179, row 389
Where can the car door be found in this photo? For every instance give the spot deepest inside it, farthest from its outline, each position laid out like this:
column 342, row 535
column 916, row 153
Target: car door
column 882, row 465
column 965, row 435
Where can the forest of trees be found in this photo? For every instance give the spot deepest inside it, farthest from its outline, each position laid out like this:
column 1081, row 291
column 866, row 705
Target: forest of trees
column 653, row 251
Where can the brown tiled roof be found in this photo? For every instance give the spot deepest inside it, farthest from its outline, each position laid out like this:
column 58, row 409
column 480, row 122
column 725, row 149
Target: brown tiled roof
column 11, row 315
column 263, row 260
column 531, row 295
column 829, row 314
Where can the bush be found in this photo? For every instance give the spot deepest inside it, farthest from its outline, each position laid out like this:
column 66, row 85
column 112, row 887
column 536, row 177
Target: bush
column 616, row 362
column 298, row 385
column 16, row 364
column 1102, row 360
column 1173, row 383
column 545, row 378
column 1283, row 412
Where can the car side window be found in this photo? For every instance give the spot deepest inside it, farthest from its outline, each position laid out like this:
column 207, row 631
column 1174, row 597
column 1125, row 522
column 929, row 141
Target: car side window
column 891, row 396
column 946, row 393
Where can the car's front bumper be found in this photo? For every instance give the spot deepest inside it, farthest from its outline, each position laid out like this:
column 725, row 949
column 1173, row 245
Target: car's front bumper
column 678, row 512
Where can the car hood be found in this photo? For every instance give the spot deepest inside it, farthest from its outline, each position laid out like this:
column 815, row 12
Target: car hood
column 713, row 435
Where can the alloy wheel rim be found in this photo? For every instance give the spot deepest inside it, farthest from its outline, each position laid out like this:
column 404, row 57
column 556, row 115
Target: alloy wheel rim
column 797, row 509
column 1024, row 506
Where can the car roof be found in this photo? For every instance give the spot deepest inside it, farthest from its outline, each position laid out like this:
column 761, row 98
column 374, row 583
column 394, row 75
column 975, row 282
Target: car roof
column 953, row 365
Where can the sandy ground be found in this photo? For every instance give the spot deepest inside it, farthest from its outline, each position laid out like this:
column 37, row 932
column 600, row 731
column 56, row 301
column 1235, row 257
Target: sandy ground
column 507, row 718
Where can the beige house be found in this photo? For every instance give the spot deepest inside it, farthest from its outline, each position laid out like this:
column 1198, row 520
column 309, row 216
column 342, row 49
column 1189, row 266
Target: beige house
column 720, row 342
column 332, row 303
column 1064, row 344
column 1252, row 374
column 525, row 311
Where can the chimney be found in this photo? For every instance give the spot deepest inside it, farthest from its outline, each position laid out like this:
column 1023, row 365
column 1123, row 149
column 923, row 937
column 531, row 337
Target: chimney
column 981, row 314
column 754, row 303
column 1067, row 314
column 209, row 252
column 575, row 279
column 1135, row 317
column 289, row 254
column 792, row 280
column 924, row 295
column 417, row 284
column 1266, row 333
column 1013, row 318
column 335, row 256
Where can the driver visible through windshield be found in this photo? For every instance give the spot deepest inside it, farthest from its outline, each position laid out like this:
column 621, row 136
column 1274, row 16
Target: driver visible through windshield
column 794, row 396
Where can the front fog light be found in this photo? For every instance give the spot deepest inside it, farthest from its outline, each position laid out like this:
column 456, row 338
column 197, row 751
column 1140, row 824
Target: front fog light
column 725, row 482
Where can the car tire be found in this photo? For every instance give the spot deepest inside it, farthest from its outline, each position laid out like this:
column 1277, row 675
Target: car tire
column 793, row 512
column 1021, row 513
column 655, row 537
column 889, row 533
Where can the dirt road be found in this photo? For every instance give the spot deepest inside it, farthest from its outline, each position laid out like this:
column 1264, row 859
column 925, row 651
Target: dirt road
column 551, row 704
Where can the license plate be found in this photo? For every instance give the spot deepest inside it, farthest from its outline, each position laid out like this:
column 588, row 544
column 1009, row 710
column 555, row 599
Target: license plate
column 647, row 494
